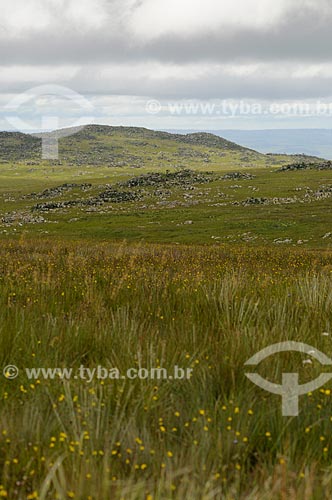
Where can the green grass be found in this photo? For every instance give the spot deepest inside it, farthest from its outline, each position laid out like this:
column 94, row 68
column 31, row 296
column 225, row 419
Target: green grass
column 133, row 285
column 119, row 305
column 105, row 156
column 147, row 220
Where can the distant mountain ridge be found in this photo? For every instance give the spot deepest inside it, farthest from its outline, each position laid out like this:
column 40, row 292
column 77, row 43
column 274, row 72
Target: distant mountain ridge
column 197, row 137
column 102, row 143
column 312, row 142
column 133, row 146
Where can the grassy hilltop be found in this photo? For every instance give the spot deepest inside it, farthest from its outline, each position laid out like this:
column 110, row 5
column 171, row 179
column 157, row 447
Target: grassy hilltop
column 254, row 203
column 146, row 250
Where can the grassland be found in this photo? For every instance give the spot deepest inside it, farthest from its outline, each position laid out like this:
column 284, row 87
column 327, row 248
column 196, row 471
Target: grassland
column 188, row 274
column 217, row 209
column 125, row 305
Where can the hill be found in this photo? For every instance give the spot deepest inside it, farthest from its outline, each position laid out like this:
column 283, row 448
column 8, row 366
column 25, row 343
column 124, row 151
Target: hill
column 133, row 147
column 137, row 184
column 312, row 142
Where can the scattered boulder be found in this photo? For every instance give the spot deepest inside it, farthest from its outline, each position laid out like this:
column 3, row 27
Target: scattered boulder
column 238, row 175
column 280, row 241
column 59, row 190
column 54, row 205
column 303, row 165
column 183, row 177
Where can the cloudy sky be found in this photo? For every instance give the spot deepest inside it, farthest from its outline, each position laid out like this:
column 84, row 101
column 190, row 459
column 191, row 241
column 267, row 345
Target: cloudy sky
column 175, row 64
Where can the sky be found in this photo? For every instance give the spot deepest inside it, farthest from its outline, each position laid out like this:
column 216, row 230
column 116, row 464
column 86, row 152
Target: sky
column 175, row 64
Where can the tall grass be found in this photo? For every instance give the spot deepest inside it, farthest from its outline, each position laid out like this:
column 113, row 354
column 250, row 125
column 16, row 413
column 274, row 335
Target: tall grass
column 206, row 308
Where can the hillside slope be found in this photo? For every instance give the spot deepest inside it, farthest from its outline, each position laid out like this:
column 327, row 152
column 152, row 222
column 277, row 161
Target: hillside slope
column 127, row 146
column 133, row 147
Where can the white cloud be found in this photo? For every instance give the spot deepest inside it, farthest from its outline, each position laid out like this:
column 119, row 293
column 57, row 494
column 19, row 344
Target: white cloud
column 21, row 15
column 153, row 18
column 86, row 13
column 124, row 51
column 14, row 76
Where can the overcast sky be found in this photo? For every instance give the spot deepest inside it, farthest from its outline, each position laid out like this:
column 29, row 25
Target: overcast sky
column 122, row 54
